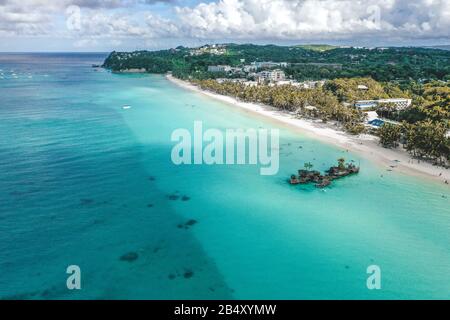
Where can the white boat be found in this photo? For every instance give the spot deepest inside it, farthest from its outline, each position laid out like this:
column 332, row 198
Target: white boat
column 125, row 107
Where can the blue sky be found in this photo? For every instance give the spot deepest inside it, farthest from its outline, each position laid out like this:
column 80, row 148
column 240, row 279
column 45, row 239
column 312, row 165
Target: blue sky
column 105, row 25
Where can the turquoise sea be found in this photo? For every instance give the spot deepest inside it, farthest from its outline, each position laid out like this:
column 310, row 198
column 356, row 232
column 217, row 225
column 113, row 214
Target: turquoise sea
column 85, row 182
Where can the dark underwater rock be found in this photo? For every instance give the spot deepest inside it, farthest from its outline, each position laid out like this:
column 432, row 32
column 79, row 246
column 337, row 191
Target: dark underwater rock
column 173, row 197
column 187, row 224
column 130, row 257
column 191, row 222
column 86, row 201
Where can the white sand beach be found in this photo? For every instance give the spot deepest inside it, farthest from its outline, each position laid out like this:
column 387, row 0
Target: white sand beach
column 366, row 145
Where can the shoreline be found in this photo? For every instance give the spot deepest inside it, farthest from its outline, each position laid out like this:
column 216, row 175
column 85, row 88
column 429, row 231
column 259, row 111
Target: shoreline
column 365, row 145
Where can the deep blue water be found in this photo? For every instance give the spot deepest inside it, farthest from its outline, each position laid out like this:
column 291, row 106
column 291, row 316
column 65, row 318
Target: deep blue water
column 84, row 182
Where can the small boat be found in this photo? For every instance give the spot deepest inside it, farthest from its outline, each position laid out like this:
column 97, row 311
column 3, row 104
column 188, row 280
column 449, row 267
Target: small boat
column 125, row 107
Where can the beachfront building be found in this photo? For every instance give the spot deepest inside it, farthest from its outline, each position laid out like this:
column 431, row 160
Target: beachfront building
column 286, row 82
column 219, row 68
column 366, row 104
column 301, row 85
column 271, row 75
column 236, row 80
column 221, row 80
column 312, row 84
column 250, row 83
column 398, row 103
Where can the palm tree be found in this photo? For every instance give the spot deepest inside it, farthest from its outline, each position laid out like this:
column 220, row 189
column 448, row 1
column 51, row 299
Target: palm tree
column 341, row 163
column 308, row 165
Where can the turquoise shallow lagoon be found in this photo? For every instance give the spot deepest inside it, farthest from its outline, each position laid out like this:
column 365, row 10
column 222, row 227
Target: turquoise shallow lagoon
column 84, row 182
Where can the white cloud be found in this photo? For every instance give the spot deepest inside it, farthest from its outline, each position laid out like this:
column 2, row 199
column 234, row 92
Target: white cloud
column 316, row 19
column 85, row 43
column 299, row 20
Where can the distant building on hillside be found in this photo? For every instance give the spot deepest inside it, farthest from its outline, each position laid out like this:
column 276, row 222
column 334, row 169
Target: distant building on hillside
column 209, row 49
column 269, row 64
column 271, row 75
column 319, row 64
column 249, row 68
column 219, row 68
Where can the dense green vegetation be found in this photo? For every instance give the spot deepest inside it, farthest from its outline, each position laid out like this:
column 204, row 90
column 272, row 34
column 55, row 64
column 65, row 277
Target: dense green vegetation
column 346, row 89
column 389, row 135
column 423, row 140
column 317, row 47
column 430, row 101
column 306, row 62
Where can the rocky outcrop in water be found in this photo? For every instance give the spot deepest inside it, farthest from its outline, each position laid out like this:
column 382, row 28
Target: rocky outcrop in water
column 323, row 180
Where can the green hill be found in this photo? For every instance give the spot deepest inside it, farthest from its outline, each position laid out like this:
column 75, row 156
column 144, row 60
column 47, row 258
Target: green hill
column 317, row 47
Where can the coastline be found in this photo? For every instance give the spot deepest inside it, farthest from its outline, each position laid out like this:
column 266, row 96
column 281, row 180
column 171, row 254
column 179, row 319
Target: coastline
column 366, row 145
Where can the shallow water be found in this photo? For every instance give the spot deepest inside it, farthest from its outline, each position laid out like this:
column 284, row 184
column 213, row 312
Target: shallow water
column 85, row 182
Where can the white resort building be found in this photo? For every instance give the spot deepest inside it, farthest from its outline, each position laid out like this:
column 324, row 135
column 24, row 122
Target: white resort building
column 398, row 103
